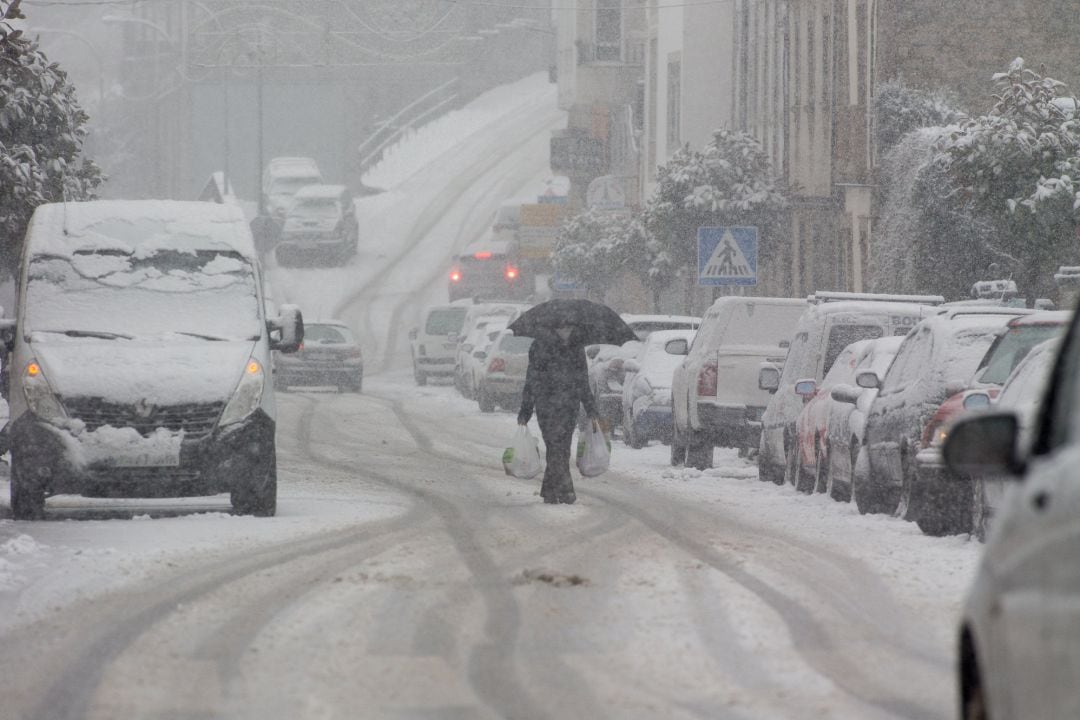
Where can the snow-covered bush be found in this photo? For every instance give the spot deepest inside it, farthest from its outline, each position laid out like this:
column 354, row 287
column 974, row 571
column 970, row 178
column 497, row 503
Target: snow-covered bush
column 728, row 182
column 42, row 128
column 900, row 109
column 595, row 247
column 1015, row 167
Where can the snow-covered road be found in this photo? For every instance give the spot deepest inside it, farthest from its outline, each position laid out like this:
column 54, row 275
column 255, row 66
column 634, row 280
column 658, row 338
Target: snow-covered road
column 406, row 576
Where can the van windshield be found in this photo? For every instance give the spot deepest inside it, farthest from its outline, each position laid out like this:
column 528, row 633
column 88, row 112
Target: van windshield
column 206, row 293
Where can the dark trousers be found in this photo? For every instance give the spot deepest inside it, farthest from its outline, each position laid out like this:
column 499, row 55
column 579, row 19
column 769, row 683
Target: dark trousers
column 557, row 428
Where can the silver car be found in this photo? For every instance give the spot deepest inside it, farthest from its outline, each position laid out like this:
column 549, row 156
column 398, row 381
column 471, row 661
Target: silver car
column 1019, row 634
column 503, row 377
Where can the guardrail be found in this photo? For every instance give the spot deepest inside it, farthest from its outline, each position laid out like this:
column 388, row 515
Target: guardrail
column 415, row 113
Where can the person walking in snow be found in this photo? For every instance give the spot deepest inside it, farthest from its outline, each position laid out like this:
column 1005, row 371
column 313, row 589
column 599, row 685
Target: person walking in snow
column 556, row 386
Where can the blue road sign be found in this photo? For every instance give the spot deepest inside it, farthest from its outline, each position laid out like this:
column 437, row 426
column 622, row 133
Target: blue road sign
column 727, row 256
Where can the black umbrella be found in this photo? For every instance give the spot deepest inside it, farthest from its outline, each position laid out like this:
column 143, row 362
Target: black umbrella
column 592, row 323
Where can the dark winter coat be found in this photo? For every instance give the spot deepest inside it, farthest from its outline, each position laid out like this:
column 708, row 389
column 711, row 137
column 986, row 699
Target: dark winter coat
column 557, row 379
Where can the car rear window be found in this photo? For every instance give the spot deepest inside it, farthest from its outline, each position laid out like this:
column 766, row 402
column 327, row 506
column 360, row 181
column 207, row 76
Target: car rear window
column 514, row 344
column 446, row 321
column 1012, row 347
column 329, row 334
column 843, row 335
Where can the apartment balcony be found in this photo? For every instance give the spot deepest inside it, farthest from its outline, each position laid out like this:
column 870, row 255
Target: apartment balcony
column 608, row 75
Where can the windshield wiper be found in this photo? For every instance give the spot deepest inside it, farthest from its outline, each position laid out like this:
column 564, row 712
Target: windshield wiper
column 102, row 334
column 211, row 338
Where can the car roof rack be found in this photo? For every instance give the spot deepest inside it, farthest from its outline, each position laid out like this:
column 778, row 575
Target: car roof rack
column 827, row 297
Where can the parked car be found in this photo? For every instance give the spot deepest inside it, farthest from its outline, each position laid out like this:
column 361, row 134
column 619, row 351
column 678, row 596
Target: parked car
column 474, row 363
column 714, row 391
column 1022, row 394
column 320, row 225
column 141, row 356
column 1019, row 629
column 606, row 374
column 433, row 344
column 283, row 177
column 824, row 432
column 471, row 353
column 937, row 359
column 646, row 400
column 843, row 410
column 830, row 323
column 1010, row 347
column 503, row 378
column 642, row 325
column 329, row 355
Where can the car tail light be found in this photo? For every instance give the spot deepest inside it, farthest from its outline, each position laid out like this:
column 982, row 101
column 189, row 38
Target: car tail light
column 497, row 365
column 936, row 428
column 511, row 272
column 455, row 276
column 706, row 379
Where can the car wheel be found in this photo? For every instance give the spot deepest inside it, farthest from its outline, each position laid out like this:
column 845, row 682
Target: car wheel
column 421, row 378
column 256, row 495
column 27, row 494
column 838, row 491
column 699, row 451
column 949, row 510
column 631, row 437
column 909, row 505
column 678, row 449
column 485, row 401
column 868, row 498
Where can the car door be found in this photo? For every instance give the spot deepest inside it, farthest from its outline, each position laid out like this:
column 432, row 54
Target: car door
column 886, row 425
column 1033, row 550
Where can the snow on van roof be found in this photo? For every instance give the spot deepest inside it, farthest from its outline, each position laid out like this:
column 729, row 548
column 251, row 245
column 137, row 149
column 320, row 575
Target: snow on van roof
column 831, row 297
column 320, row 191
column 138, row 226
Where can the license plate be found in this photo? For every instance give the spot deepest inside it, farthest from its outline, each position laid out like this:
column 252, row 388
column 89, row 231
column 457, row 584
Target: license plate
column 162, row 458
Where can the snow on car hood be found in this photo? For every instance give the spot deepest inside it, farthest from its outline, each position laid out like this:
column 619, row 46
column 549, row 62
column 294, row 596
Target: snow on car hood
column 160, row 371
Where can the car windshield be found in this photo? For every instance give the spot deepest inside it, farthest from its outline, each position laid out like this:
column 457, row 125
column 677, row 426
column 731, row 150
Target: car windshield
column 326, row 334
column 1011, row 347
column 316, row 207
column 446, row 321
column 201, row 293
column 289, row 185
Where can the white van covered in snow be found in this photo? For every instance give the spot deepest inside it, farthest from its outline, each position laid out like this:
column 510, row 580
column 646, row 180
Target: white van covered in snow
column 141, row 356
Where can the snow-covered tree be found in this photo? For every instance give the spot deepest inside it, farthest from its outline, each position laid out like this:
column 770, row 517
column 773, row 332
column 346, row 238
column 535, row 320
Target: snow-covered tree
column 728, row 182
column 1016, row 167
column 594, row 248
column 42, row 128
column 899, row 109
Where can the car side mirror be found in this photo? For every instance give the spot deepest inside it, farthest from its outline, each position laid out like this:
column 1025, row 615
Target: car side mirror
column 768, row 379
column 290, row 328
column 677, row 347
column 984, row 445
column 845, row 393
column 868, row 380
column 413, row 334
column 806, row 389
column 977, row 400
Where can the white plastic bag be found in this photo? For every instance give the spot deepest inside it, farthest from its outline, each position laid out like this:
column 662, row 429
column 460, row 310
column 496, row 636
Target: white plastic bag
column 593, row 450
column 522, row 459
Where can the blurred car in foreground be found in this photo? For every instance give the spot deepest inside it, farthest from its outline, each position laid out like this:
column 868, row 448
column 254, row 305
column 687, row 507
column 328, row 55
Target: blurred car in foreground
column 646, row 400
column 503, row 378
column 329, row 355
column 1019, row 632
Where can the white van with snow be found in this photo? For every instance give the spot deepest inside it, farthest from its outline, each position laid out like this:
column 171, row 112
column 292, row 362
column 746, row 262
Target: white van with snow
column 714, row 393
column 141, row 356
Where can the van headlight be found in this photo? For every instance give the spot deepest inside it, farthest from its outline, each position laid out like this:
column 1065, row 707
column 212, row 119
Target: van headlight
column 39, row 396
column 248, row 394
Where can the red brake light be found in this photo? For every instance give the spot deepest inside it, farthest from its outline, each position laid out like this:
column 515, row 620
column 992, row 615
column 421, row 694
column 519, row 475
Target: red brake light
column 483, row 255
column 511, row 272
column 497, row 365
column 706, row 380
column 455, row 276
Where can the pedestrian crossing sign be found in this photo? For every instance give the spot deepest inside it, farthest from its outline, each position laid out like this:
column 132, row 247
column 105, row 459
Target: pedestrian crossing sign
column 727, row 256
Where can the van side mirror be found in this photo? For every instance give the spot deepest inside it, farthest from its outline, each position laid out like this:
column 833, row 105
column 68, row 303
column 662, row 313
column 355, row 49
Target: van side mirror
column 290, row 328
column 677, row 347
column 768, row 379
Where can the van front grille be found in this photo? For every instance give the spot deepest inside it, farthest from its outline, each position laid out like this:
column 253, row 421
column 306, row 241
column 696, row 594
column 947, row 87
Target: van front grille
column 195, row 419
